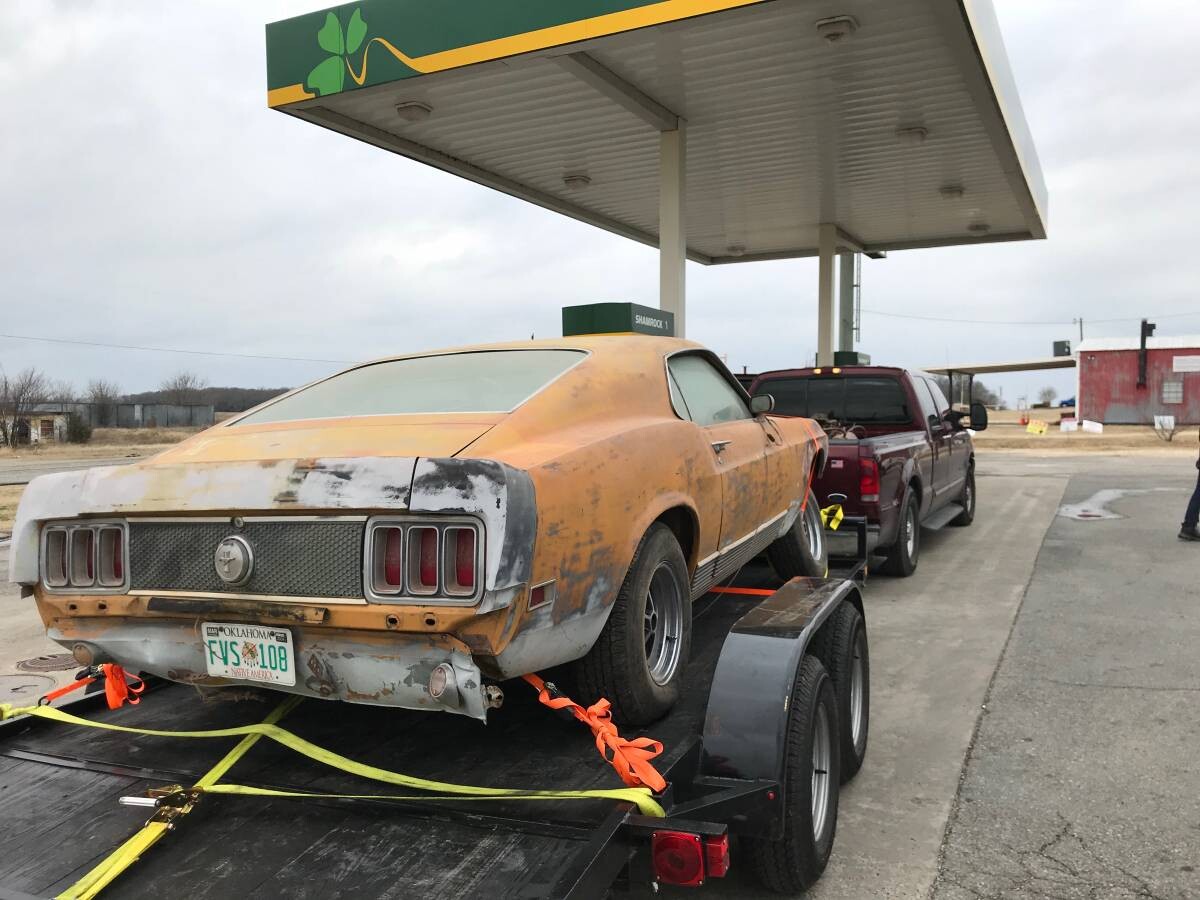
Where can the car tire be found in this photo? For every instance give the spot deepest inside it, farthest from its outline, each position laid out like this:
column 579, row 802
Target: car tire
column 842, row 647
column 967, row 499
column 795, row 862
column 803, row 550
column 638, row 661
column 902, row 557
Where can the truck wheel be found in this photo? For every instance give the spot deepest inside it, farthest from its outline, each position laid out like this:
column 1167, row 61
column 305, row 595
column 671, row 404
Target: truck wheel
column 803, row 550
column 967, row 516
column 637, row 662
column 810, row 789
column 902, row 557
column 842, row 647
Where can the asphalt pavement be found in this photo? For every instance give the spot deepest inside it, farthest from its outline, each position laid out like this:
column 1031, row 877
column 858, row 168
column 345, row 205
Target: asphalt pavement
column 1083, row 780
column 24, row 470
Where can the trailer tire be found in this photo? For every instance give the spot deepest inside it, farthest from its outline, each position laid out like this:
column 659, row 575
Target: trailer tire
column 638, row 661
column 967, row 516
column 902, row 557
column 803, row 550
column 794, row 862
column 842, row 646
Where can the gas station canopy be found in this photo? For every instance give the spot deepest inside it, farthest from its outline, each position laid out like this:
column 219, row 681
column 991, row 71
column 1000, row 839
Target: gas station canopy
column 729, row 130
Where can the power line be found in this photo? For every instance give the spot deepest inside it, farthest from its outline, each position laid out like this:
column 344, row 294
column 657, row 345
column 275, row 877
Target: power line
column 892, row 315
column 27, row 337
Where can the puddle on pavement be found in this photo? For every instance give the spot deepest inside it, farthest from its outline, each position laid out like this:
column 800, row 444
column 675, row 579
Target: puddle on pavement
column 1096, row 506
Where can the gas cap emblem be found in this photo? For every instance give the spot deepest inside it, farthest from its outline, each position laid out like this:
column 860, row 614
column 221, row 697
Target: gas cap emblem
column 234, row 560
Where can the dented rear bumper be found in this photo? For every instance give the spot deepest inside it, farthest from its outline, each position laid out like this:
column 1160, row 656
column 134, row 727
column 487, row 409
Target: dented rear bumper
column 380, row 669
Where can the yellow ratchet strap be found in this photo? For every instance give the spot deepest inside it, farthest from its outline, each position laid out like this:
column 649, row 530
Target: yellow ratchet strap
column 832, row 516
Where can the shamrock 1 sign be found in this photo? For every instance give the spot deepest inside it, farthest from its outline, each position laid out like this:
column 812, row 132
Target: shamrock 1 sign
column 328, row 76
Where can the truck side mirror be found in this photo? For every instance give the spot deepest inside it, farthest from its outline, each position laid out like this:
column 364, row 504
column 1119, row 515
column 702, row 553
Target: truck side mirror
column 761, row 404
column 979, row 416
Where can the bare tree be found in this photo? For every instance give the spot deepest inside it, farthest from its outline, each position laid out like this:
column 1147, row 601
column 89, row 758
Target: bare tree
column 18, row 394
column 1047, row 395
column 103, row 395
column 60, row 391
column 183, row 387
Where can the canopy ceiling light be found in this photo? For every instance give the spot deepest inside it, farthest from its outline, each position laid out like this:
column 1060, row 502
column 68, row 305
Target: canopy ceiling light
column 835, row 28
column 413, row 111
column 577, row 181
column 912, row 135
column 951, row 191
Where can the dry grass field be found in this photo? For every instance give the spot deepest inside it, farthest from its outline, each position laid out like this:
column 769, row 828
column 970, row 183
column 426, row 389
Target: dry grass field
column 1005, row 433
column 10, row 495
column 106, row 443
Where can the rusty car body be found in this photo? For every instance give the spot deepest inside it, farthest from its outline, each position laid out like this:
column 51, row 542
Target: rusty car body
column 543, row 502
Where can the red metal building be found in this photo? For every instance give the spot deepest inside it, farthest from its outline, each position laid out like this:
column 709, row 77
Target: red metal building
column 1108, row 381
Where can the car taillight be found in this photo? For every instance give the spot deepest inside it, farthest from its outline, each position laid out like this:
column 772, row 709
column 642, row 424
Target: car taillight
column 422, row 560
column 83, row 557
column 56, row 557
column 111, row 556
column 387, row 560
column 87, row 557
column 460, row 562
column 678, row 858
column 868, row 480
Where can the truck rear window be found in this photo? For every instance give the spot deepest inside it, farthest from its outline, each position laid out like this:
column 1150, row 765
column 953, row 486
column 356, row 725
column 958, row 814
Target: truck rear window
column 486, row 381
column 849, row 399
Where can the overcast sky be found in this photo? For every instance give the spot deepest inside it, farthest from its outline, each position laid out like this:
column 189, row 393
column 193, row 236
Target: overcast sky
column 148, row 197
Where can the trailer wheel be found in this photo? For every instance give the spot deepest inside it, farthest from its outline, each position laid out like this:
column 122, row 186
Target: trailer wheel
column 967, row 516
column 811, row 778
column 637, row 662
column 803, row 550
column 903, row 555
column 843, row 649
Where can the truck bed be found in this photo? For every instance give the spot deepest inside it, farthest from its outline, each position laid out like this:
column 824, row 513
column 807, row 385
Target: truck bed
column 59, row 787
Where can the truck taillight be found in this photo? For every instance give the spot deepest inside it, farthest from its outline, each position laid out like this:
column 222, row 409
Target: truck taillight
column 868, row 480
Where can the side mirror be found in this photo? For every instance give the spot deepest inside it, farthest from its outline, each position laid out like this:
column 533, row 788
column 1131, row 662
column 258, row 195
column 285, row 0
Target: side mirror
column 761, row 404
column 979, row 416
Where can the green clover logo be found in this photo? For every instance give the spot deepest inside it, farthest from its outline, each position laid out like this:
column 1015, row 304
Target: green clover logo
column 328, row 76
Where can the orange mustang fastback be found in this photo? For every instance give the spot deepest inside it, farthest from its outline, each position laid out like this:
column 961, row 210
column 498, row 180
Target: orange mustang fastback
column 410, row 531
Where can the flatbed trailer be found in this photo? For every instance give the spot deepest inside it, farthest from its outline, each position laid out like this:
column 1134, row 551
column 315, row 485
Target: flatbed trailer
column 729, row 759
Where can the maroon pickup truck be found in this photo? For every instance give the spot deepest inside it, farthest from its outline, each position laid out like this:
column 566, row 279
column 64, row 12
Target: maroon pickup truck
column 899, row 454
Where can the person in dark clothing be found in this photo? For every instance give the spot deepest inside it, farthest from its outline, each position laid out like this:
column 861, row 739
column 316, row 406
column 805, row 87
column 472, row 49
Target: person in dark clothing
column 1191, row 518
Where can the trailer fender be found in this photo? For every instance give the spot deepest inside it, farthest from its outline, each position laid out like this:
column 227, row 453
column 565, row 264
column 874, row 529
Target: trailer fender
column 745, row 725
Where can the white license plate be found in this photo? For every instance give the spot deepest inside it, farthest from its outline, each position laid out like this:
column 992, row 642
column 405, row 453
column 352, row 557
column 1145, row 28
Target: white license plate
column 249, row 652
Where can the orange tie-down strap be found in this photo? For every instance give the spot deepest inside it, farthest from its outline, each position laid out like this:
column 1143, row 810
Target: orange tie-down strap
column 631, row 759
column 117, row 690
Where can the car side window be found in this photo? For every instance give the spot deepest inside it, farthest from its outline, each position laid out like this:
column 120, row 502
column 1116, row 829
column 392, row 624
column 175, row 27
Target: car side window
column 707, row 397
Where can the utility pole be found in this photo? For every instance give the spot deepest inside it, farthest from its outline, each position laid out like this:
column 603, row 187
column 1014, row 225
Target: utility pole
column 1080, row 321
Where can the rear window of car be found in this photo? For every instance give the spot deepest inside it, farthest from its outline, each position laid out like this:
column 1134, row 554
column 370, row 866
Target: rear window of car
column 488, row 381
column 850, row 399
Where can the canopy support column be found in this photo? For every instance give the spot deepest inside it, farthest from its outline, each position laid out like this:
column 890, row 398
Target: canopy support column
column 845, row 339
column 672, row 226
column 827, row 244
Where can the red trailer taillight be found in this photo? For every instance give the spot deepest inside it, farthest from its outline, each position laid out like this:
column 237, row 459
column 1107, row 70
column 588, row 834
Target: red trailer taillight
column 868, row 480
column 678, row 858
